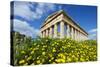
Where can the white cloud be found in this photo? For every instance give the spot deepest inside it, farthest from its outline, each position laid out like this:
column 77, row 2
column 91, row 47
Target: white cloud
column 93, row 34
column 23, row 9
column 24, row 28
column 29, row 11
column 93, row 30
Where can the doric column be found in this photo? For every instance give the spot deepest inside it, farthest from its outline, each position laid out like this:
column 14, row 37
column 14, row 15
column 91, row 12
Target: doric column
column 50, row 34
column 75, row 35
column 61, row 29
column 78, row 37
column 55, row 30
column 86, row 37
column 42, row 33
column 46, row 32
column 68, row 31
column 81, row 36
column 72, row 33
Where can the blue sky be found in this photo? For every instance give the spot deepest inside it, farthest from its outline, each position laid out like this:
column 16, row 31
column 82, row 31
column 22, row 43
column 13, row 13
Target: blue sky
column 29, row 16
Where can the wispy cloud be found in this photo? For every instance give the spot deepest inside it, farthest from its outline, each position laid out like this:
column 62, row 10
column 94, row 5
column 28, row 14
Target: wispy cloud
column 31, row 11
column 93, row 30
column 93, row 34
column 24, row 28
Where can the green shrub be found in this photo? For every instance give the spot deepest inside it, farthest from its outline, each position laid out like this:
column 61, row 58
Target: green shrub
column 53, row 51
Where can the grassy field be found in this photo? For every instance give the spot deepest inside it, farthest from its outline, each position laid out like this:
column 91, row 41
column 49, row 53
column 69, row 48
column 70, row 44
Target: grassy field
column 28, row 51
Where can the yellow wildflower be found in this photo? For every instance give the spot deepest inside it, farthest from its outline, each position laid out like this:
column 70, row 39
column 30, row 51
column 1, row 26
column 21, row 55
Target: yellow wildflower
column 29, row 58
column 55, row 42
column 76, row 59
column 82, row 59
column 52, row 58
column 46, row 40
column 26, row 64
column 54, row 50
column 50, row 55
column 30, row 49
column 34, row 43
column 53, row 63
column 43, row 53
column 69, row 59
column 23, row 52
column 38, row 61
column 63, row 60
column 64, row 57
column 52, row 44
column 49, row 60
column 37, row 57
column 43, row 60
column 21, row 61
column 43, row 49
column 57, row 60
column 32, row 52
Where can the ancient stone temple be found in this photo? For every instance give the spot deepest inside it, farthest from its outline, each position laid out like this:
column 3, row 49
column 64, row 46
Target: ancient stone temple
column 60, row 25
